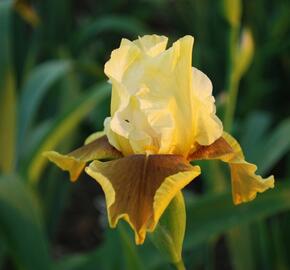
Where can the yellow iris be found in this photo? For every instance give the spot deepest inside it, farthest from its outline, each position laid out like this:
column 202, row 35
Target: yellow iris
column 162, row 117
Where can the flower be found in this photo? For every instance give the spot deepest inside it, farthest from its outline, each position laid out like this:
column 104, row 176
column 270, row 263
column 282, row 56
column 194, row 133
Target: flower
column 163, row 117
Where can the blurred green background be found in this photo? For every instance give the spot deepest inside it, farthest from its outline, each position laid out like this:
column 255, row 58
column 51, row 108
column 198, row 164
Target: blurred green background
column 53, row 94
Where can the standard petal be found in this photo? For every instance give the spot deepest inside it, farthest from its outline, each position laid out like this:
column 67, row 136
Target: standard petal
column 208, row 127
column 121, row 59
column 138, row 188
column 167, row 103
column 75, row 161
column 245, row 183
column 152, row 45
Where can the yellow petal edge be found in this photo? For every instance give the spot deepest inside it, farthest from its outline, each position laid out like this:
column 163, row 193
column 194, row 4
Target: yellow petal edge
column 245, row 183
column 96, row 147
column 67, row 163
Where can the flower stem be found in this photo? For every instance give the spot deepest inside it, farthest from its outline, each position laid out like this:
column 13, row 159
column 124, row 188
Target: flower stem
column 232, row 80
column 180, row 265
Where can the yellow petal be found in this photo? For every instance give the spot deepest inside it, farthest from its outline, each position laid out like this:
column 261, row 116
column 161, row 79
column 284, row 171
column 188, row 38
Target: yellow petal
column 160, row 105
column 138, row 188
column 75, row 161
column 121, row 60
column 67, row 163
column 208, row 127
column 245, row 183
column 94, row 136
column 152, row 45
column 156, row 84
column 118, row 141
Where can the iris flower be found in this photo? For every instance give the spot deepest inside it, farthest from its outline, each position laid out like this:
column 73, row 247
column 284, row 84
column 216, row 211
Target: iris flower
column 163, row 118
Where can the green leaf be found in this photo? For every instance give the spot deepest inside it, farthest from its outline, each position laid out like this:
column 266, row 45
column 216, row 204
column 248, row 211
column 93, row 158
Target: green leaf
column 36, row 86
column 263, row 251
column 21, row 225
column 242, row 255
column 5, row 37
column 7, row 92
column 116, row 252
column 7, row 124
column 63, row 126
column 215, row 214
column 132, row 259
column 275, row 146
column 2, row 252
column 108, row 256
column 263, row 146
column 169, row 233
column 281, row 257
column 254, row 129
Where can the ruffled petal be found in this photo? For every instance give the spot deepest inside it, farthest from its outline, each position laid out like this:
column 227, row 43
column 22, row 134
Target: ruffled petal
column 208, row 127
column 245, row 183
column 75, row 161
column 118, row 141
column 121, row 59
column 159, row 87
column 152, row 45
column 138, row 188
column 168, row 95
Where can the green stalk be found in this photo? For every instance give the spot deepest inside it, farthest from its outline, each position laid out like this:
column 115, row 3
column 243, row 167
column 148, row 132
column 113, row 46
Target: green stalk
column 180, row 265
column 232, row 80
column 169, row 233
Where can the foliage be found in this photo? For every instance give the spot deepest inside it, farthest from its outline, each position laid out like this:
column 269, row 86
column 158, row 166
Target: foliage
column 53, row 93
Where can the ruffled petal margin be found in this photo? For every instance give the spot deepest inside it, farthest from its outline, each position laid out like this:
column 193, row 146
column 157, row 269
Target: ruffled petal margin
column 138, row 188
column 245, row 183
column 75, row 161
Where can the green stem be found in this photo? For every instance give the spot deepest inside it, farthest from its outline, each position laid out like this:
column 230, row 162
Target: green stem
column 180, row 265
column 232, row 80
column 219, row 183
column 233, row 87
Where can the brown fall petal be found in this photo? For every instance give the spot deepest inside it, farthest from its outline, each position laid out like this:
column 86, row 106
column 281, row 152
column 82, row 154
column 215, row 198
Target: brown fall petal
column 138, row 188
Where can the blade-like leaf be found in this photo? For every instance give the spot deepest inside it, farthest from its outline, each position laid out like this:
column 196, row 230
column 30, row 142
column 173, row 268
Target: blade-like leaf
column 63, row 126
column 131, row 256
column 21, row 225
column 276, row 145
column 7, row 91
column 242, row 255
column 97, row 259
column 34, row 89
column 263, row 146
column 5, row 37
column 215, row 214
column 281, row 257
column 2, row 252
column 7, row 124
column 254, row 130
